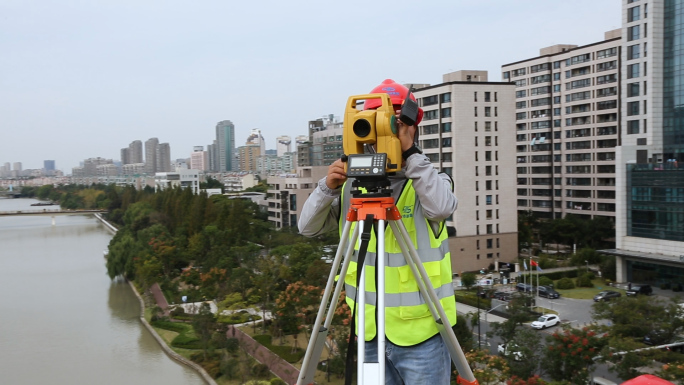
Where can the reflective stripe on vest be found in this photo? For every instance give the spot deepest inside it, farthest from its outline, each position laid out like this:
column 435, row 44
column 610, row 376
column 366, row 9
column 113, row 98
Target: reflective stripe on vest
column 403, row 301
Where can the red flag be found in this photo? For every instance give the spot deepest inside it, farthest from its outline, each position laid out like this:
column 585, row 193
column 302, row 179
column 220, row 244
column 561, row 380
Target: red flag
column 534, row 263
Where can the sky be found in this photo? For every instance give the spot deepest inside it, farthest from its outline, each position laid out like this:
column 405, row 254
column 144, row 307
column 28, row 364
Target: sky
column 83, row 79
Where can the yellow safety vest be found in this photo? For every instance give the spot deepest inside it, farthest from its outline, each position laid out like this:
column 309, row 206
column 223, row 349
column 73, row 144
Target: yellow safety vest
column 408, row 320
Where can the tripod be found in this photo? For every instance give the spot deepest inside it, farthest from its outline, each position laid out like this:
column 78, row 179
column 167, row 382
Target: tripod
column 381, row 209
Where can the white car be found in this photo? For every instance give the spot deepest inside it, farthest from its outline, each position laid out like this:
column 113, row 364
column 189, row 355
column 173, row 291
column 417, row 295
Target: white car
column 503, row 350
column 546, row 321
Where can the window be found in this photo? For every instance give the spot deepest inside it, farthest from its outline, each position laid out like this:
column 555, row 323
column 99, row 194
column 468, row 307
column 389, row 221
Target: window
column 507, row 75
column 606, row 79
column 488, row 96
column 578, row 59
column 446, row 127
column 556, row 88
column 490, row 229
column 633, row 71
column 556, row 64
column 475, row 111
column 518, row 72
column 633, row 33
column 475, row 98
column 606, row 53
column 521, row 83
column 521, row 115
column 430, row 100
column 633, row 14
column 632, row 108
column 556, row 76
column 488, row 199
column 609, row 65
column 521, row 93
column 578, row 84
column 632, row 127
column 519, row 105
column 431, row 114
column 488, row 111
column 633, row 89
column 445, row 98
column 446, row 142
column 539, row 67
column 633, row 52
column 488, row 156
column 446, row 112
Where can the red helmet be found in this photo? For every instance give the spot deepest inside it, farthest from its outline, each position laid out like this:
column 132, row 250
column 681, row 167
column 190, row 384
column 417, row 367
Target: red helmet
column 397, row 93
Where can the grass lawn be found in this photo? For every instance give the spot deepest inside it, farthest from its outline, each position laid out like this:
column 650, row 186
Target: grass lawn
column 588, row 292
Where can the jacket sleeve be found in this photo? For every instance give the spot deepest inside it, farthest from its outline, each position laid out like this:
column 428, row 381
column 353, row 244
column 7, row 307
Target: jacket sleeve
column 435, row 190
column 321, row 211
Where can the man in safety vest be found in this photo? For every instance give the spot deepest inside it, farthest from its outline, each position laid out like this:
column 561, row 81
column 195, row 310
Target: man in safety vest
column 415, row 351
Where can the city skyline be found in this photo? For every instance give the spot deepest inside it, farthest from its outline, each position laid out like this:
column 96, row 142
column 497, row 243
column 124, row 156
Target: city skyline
column 76, row 86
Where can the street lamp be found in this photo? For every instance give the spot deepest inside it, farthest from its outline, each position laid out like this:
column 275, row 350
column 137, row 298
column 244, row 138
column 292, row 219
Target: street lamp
column 587, row 262
column 479, row 343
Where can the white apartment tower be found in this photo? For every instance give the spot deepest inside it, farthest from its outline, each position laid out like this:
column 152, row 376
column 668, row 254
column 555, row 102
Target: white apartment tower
column 255, row 138
column 283, row 145
column 466, row 132
column 567, row 127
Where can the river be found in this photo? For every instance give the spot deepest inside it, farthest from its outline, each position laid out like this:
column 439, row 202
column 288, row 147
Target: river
column 62, row 320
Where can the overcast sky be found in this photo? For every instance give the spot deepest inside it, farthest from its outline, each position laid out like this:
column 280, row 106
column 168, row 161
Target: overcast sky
column 82, row 79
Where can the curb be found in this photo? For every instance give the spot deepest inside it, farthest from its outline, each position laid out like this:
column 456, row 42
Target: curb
column 169, row 352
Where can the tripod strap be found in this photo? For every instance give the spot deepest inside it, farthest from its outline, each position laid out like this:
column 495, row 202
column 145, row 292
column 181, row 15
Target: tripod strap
column 360, row 261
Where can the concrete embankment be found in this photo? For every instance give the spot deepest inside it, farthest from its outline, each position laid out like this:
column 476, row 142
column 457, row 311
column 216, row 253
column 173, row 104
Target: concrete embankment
column 169, row 352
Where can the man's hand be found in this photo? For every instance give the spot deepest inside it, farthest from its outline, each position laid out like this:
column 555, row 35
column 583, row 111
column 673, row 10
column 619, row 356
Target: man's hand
column 404, row 133
column 336, row 175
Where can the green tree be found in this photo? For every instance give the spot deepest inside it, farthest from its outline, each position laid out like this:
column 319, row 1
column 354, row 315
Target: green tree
column 204, row 324
column 468, row 280
column 211, row 183
column 570, row 354
column 529, row 343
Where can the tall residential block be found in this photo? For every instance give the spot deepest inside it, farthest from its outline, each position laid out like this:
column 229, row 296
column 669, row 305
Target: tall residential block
column 248, row 155
column 199, row 159
column 567, row 118
column 650, row 171
column 163, row 161
column 151, row 155
column 467, row 128
column 283, row 145
column 125, row 156
column 257, row 139
column 135, row 151
column 225, row 146
column 49, row 165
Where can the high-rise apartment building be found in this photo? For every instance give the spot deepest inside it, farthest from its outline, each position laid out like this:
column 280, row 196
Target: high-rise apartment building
column 567, row 127
column 163, row 160
column 257, row 139
column 199, row 159
column 649, row 165
column 16, row 166
column 467, row 128
column 135, row 152
column 225, row 146
column 151, row 155
column 283, row 145
column 125, row 156
column 49, row 165
column 248, row 155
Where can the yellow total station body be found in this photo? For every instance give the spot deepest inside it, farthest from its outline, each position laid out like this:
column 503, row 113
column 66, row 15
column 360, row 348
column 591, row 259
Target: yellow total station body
column 378, row 126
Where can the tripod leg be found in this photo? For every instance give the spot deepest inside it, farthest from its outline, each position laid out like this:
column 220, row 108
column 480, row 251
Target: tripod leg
column 319, row 333
column 431, row 299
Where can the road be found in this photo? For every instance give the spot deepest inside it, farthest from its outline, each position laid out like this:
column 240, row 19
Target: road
column 576, row 312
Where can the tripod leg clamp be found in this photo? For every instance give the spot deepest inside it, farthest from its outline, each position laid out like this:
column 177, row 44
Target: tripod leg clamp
column 462, row 381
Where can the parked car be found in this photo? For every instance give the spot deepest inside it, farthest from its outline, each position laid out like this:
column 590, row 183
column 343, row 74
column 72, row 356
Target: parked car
column 658, row 337
column 546, row 321
column 523, row 287
column 606, row 295
column 548, row 292
column 502, row 295
column 510, row 349
column 639, row 289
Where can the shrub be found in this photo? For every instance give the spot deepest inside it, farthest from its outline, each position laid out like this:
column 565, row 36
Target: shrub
column 260, row 370
column 186, row 342
column 277, row 381
column 178, row 310
column 585, row 280
column 545, row 281
column 173, row 326
column 565, row 283
column 665, row 286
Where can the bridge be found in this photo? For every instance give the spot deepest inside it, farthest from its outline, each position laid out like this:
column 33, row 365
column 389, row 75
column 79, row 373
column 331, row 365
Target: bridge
column 50, row 212
column 10, row 194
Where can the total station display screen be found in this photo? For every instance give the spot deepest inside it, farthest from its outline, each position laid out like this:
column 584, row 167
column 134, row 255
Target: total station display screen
column 362, row 161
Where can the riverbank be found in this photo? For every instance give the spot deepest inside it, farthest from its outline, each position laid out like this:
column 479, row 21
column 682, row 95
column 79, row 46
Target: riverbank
column 165, row 347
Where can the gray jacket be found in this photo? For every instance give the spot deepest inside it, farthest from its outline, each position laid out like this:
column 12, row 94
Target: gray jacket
column 321, row 212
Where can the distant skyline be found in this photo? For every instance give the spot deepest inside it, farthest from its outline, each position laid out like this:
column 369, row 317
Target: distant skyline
column 82, row 80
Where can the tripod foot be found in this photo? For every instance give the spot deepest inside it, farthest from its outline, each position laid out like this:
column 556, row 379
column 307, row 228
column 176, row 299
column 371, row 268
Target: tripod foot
column 460, row 380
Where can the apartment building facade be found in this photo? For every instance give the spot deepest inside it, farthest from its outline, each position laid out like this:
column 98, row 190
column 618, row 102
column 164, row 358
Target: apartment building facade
column 567, row 119
column 467, row 128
